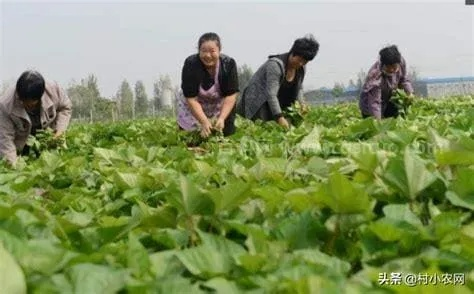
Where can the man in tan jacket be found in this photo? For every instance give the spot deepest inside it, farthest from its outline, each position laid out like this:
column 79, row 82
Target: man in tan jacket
column 30, row 106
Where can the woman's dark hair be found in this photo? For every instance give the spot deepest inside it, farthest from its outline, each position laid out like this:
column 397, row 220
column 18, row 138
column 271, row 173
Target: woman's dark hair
column 209, row 37
column 30, row 85
column 306, row 47
column 390, row 55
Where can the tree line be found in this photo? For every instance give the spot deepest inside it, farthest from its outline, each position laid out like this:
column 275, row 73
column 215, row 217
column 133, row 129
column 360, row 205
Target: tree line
column 131, row 100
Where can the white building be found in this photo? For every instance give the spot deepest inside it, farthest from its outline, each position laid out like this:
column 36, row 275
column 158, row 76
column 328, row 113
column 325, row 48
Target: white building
column 444, row 87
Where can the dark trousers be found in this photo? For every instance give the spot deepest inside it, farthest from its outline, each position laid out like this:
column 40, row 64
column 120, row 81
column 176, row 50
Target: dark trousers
column 26, row 150
column 229, row 124
column 389, row 109
column 264, row 112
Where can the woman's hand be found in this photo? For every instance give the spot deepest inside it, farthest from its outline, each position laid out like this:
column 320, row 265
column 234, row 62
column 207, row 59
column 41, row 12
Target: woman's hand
column 304, row 108
column 206, row 129
column 219, row 125
column 283, row 122
column 57, row 134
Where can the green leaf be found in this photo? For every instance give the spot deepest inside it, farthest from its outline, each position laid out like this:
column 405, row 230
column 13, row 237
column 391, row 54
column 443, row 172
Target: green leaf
column 253, row 262
column 205, row 262
column 12, row 279
column 311, row 284
column 318, row 166
column 402, row 137
column 191, row 200
column 300, row 231
column 268, row 168
column 96, row 279
column 450, row 261
column 446, row 223
column 311, row 142
column 343, row 197
column 409, row 176
column 462, row 189
column 51, row 161
column 165, row 286
column 300, row 199
column 460, row 152
column 21, row 184
column 221, row 285
column 273, row 198
column 418, row 176
column 58, row 283
column 448, row 157
column 221, row 244
column 160, row 217
column 204, row 168
column 330, row 263
column 73, row 220
column 13, row 244
column 456, row 200
column 216, row 256
column 402, row 212
column 6, row 211
column 230, row 196
column 165, row 263
column 363, row 129
column 467, row 238
column 257, row 239
column 126, row 180
column 137, row 257
column 45, row 257
column 170, row 238
column 107, row 155
column 363, row 154
column 389, row 230
column 438, row 141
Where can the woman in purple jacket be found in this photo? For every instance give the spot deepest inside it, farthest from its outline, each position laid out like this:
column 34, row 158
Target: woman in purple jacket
column 387, row 74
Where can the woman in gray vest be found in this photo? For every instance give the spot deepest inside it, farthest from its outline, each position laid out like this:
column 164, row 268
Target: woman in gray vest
column 277, row 84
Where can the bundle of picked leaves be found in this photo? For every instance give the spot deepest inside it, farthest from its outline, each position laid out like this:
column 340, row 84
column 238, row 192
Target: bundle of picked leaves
column 402, row 100
column 45, row 140
column 295, row 114
column 194, row 138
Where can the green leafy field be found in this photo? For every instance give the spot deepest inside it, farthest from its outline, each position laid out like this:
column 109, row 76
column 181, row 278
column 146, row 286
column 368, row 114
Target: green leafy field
column 329, row 207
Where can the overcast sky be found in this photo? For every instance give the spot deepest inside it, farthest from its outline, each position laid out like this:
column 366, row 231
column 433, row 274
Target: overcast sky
column 118, row 40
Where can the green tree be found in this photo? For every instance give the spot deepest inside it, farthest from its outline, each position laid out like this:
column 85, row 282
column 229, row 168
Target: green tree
column 141, row 99
column 125, row 101
column 361, row 77
column 78, row 93
column 84, row 97
column 338, row 90
column 93, row 94
column 106, row 109
column 163, row 93
column 351, row 84
column 88, row 103
column 93, row 86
